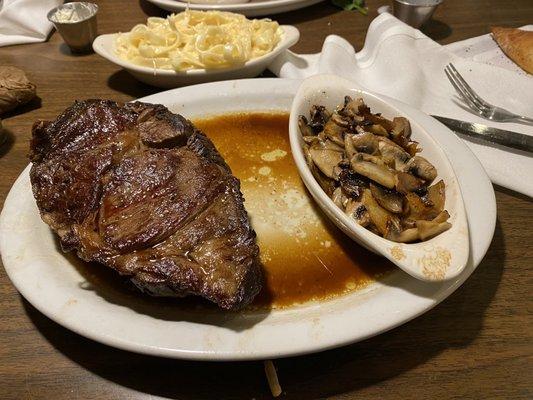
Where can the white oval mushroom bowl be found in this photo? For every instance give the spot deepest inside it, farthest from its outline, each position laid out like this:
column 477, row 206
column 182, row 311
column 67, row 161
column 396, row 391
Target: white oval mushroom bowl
column 441, row 257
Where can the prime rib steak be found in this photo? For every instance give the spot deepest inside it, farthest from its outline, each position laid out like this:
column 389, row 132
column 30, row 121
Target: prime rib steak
column 141, row 190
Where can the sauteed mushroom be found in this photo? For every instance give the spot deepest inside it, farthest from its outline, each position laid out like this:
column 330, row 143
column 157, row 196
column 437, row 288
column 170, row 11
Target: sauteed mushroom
column 369, row 166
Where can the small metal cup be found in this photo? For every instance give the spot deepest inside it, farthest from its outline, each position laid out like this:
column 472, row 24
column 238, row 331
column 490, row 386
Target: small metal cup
column 414, row 12
column 78, row 34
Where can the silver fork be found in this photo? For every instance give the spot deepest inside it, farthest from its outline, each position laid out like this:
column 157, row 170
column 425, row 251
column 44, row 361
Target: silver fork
column 477, row 104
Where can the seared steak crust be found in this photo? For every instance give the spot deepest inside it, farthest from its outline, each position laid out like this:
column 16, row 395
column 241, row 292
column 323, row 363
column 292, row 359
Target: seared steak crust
column 141, row 190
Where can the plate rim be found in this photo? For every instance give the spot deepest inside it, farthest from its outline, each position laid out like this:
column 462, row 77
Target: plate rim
column 254, row 85
column 258, row 8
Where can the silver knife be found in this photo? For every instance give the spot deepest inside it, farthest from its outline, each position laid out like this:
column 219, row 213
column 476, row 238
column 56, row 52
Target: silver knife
column 494, row 135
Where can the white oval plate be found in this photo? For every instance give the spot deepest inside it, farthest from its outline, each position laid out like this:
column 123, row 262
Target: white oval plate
column 104, row 45
column 47, row 279
column 254, row 8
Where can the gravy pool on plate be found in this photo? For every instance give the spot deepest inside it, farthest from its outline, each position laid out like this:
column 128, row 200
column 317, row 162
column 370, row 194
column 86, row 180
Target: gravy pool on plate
column 305, row 257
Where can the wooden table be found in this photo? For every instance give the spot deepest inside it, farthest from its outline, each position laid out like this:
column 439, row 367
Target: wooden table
column 477, row 344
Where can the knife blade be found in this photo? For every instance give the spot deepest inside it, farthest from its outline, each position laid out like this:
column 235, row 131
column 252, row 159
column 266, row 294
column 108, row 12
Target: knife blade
column 511, row 139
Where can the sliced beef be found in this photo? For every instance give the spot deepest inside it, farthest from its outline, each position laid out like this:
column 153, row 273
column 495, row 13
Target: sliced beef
column 141, row 190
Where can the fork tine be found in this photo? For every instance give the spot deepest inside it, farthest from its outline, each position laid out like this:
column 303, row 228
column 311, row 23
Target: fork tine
column 465, row 92
column 462, row 93
column 467, row 87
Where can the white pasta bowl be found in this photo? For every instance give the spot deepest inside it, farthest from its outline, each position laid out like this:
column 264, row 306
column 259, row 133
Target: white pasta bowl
column 104, row 45
column 440, row 258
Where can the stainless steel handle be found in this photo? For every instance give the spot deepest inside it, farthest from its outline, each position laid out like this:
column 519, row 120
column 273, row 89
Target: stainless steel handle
column 511, row 139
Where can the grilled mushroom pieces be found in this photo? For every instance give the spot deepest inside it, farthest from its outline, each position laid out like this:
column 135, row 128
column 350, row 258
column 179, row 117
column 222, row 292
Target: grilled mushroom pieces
column 378, row 173
column 380, row 217
column 351, row 106
column 437, row 196
column 406, row 236
column 365, row 143
column 401, row 127
column 337, row 197
column 303, row 125
column 319, row 116
column 388, row 199
column 369, row 167
column 334, row 132
column 429, row 229
column 393, row 155
column 406, row 183
column 352, row 184
column 422, row 168
column 429, row 206
column 349, row 147
column 357, row 211
column 325, row 160
column 377, row 129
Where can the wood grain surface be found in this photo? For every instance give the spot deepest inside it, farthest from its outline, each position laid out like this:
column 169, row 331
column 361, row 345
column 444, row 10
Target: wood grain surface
column 475, row 345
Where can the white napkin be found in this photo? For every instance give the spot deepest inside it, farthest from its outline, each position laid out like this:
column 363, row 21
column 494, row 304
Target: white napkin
column 24, row 21
column 401, row 62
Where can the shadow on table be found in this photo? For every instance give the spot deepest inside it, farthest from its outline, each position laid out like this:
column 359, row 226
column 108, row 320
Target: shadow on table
column 436, row 30
column 320, row 10
column 152, row 10
column 343, row 370
column 7, row 139
column 33, row 104
column 123, row 82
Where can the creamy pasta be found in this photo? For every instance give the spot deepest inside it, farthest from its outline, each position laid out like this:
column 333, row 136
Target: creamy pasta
column 197, row 40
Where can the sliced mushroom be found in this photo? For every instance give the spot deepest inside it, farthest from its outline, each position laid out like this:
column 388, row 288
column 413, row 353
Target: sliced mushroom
column 378, row 130
column 381, row 218
column 436, row 194
column 426, row 207
column 304, row 127
column 393, row 155
column 378, row 173
column 337, row 197
column 406, row 183
column 329, row 145
column 349, row 147
column 352, row 184
column 373, row 159
column 422, row 168
column 429, row 229
column 328, row 185
column 365, row 143
column 325, row 160
column 406, row 236
column 412, row 148
column 334, row 132
column 401, row 127
column 340, row 121
column 388, row 199
column 308, row 158
column 311, row 139
column 357, row 211
column 376, row 119
column 319, row 116
column 351, row 106
column 442, row 217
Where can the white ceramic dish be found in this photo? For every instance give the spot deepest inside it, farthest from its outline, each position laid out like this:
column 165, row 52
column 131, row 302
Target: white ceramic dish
column 254, row 8
column 440, row 258
column 219, row 2
column 48, row 280
column 104, row 45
